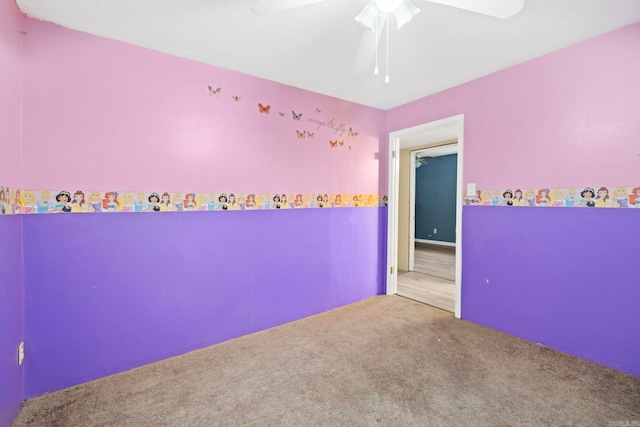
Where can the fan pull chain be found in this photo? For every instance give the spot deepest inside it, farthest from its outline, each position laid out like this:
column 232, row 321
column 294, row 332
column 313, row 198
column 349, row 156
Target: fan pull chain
column 375, row 70
column 386, row 79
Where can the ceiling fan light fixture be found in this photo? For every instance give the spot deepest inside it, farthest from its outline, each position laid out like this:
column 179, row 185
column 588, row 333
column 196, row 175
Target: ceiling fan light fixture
column 405, row 12
column 368, row 17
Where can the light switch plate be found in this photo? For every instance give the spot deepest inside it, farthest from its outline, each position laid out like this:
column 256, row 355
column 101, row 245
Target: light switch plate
column 471, row 189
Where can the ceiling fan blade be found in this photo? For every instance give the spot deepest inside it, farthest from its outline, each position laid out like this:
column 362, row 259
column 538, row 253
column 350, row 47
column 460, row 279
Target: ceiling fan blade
column 273, row 6
column 368, row 47
column 497, row 8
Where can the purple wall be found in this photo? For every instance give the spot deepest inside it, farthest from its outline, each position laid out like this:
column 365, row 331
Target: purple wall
column 11, row 305
column 11, row 317
column 565, row 278
column 106, row 293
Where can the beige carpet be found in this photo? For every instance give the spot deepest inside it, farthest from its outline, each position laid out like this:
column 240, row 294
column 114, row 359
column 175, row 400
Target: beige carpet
column 385, row 361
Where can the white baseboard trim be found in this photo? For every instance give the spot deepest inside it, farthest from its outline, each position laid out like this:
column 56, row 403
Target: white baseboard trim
column 436, row 242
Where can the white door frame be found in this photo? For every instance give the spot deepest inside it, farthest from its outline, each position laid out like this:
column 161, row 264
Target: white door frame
column 393, row 190
column 412, row 211
column 440, row 150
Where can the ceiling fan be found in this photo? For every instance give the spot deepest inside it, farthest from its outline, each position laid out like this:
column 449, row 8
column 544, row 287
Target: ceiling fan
column 376, row 14
column 422, row 161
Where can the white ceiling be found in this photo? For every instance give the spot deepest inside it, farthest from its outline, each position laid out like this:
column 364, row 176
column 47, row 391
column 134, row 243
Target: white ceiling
column 314, row 47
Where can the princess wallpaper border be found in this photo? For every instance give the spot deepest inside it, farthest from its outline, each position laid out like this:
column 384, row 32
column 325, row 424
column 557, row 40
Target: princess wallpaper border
column 570, row 197
column 16, row 201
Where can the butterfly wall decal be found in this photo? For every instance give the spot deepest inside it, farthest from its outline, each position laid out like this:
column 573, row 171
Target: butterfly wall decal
column 281, row 113
column 215, row 92
column 352, row 133
column 236, row 98
column 301, row 134
column 318, row 110
column 333, row 144
column 264, row 109
column 310, row 134
column 296, row 116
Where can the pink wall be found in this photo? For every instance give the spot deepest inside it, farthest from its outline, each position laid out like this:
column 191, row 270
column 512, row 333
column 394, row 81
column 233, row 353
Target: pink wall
column 147, row 121
column 10, row 88
column 569, row 118
column 104, row 114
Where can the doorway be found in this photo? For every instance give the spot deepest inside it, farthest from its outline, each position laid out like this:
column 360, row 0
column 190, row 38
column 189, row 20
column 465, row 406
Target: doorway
column 433, row 195
column 429, row 275
column 429, row 134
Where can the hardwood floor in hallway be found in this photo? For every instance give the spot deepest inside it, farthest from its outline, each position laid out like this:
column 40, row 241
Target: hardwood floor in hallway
column 433, row 280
